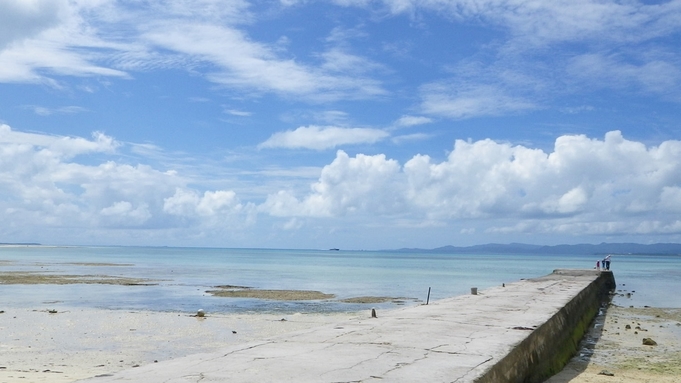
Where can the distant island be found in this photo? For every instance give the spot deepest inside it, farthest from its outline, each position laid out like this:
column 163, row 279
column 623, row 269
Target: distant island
column 583, row 249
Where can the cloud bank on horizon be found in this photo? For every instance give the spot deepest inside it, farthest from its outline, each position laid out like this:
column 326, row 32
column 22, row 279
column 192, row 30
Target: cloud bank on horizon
column 352, row 124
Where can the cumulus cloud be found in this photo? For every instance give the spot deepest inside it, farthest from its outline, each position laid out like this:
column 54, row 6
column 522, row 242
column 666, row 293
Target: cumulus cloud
column 190, row 203
column 123, row 213
column 610, row 186
column 584, row 186
column 363, row 184
column 53, row 183
column 323, row 137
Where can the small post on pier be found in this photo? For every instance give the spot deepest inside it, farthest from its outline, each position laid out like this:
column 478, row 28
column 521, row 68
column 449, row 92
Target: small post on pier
column 428, row 299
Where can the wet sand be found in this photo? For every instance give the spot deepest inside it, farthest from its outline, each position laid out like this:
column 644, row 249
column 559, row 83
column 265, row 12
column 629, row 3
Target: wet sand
column 279, row 295
column 619, row 354
column 225, row 291
column 38, row 278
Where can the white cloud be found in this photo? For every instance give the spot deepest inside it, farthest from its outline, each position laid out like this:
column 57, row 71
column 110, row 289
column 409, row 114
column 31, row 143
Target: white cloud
column 406, row 121
column 560, row 20
column 320, row 138
column 240, row 62
column 292, row 224
column 65, row 43
column 363, row 184
column 52, row 184
column 43, row 111
column 74, row 38
column 456, row 101
column 670, row 198
column 122, row 213
column 611, row 186
column 602, row 44
column 654, row 75
column 232, row 11
column 584, row 186
column 59, row 146
column 337, row 60
column 331, row 117
column 189, row 203
column 20, row 19
column 410, row 138
column 238, row 113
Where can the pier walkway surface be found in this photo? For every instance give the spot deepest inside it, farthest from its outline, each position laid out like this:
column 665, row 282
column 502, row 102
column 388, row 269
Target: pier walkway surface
column 502, row 334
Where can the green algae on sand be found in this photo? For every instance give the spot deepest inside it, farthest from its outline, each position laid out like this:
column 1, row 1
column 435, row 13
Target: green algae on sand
column 36, row 278
column 372, row 299
column 278, row 295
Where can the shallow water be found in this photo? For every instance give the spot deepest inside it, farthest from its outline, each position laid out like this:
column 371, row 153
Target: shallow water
column 184, row 274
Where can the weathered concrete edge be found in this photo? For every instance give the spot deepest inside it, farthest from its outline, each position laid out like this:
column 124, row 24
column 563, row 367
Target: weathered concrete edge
column 549, row 347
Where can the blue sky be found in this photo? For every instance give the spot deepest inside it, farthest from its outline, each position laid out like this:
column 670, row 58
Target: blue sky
column 342, row 123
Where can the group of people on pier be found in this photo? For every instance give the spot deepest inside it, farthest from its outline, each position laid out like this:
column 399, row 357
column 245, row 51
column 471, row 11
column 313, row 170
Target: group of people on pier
column 604, row 264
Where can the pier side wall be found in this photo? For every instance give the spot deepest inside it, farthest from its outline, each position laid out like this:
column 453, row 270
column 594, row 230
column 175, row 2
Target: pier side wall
column 550, row 346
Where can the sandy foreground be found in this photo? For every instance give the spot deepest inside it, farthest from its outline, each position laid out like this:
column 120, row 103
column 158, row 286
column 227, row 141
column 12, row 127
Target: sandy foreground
column 73, row 344
column 619, row 355
column 68, row 345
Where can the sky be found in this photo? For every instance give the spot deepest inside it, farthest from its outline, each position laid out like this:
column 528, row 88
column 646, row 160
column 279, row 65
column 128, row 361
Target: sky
column 352, row 124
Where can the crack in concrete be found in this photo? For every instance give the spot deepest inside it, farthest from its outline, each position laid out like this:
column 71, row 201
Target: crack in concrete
column 241, row 349
column 344, row 334
column 400, row 365
column 187, row 377
column 463, row 378
column 359, row 363
column 433, row 350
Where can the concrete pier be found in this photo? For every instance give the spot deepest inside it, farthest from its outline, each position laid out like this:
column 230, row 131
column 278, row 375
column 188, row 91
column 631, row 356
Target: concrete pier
column 522, row 332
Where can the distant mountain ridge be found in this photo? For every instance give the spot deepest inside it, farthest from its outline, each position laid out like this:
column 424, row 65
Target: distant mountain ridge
column 585, row 249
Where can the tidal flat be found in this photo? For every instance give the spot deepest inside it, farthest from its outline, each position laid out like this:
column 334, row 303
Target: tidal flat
column 43, row 278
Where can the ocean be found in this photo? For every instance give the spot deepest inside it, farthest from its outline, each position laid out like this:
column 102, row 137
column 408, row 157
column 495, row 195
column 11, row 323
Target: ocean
column 181, row 277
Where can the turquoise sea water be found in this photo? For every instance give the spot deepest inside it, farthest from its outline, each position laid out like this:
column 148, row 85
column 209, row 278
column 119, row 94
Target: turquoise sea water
column 184, row 274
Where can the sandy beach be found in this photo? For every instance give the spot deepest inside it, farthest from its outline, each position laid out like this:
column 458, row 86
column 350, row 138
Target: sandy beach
column 619, row 354
column 51, row 345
